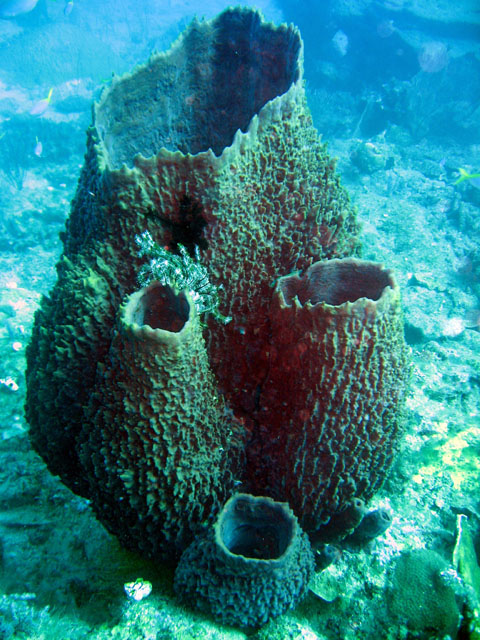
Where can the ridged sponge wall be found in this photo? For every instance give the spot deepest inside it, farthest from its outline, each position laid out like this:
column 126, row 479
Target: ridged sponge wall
column 253, row 565
column 159, row 447
column 210, row 145
column 331, row 407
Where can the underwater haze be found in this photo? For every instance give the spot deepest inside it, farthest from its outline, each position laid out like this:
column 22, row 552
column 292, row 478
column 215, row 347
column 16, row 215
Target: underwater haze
column 240, row 320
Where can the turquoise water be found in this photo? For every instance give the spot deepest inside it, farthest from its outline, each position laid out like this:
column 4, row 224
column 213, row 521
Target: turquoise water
column 394, row 89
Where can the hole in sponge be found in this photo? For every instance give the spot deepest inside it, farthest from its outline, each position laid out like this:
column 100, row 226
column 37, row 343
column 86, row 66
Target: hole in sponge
column 336, row 282
column 256, row 528
column 161, row 308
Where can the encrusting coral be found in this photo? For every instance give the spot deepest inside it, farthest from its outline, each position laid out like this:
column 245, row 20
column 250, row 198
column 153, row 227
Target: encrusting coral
column 158, row 417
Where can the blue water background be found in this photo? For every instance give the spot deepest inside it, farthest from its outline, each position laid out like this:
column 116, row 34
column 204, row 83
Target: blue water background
column 394, row 87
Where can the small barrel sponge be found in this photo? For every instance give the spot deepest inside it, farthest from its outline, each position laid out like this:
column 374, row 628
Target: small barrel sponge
column 210, row 145
column 253, row 565
column 159, row 449
column 330, row 410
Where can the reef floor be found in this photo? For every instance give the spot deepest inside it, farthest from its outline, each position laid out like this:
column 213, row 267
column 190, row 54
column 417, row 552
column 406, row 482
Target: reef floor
column 62, row 575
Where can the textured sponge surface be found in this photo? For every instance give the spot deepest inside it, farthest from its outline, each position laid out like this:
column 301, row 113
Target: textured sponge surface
column 143, row 408
column 331, row 406
column 252, row 566
column 158, row 446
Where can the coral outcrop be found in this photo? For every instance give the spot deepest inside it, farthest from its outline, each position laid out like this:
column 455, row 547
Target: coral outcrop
column 253, row 565
column 422, row 597
column 157, row 417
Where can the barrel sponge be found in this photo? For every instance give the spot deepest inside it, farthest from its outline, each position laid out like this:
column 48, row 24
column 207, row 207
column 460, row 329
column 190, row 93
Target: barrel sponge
column 331, row 407
column 253, row 565
column 159, row 449
column 209, row 145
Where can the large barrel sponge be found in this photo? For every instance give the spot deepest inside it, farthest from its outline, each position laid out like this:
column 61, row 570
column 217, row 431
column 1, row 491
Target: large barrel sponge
column 160, row 450
column 149, row 412
column 253, row 565
column 331, row 408
column 210, row 145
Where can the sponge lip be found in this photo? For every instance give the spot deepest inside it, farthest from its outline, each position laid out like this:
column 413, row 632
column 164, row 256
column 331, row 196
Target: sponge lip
column 341, row 283
column 134, row 311
column 244, row 510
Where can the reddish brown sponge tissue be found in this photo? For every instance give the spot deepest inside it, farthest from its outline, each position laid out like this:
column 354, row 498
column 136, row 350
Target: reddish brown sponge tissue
column 212, row 146
column 329, row 416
